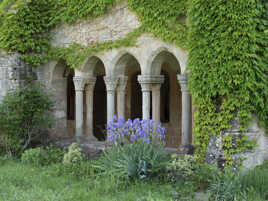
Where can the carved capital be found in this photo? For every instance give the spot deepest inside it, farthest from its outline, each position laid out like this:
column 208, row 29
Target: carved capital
column 79, row 83
column 111, row 83
column 122, row 83
column 183, row 79
column 148, row 81
column 90, row 83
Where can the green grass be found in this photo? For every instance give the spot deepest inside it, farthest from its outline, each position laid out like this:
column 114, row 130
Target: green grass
column 20, row 182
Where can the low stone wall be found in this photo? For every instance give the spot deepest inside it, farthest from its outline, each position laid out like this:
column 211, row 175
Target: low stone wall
column 253, row 158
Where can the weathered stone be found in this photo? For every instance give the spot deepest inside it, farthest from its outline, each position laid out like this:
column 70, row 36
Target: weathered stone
column 13, row 72
column 215, row 153
column 111, row 26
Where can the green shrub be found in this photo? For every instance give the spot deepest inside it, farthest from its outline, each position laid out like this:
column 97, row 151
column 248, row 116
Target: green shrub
column 226, row 187
column 137, row 160
column 24, row 115
column 257, row 179
column 180, row 167
column 73, row 156
column 33, row 156
column 42, row 156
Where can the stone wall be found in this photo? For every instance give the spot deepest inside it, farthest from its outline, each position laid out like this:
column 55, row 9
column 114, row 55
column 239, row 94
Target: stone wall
column 12, row 73
column 111, row 26
column 253, row 158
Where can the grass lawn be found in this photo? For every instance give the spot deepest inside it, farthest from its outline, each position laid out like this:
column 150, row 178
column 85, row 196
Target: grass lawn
column 20, row 182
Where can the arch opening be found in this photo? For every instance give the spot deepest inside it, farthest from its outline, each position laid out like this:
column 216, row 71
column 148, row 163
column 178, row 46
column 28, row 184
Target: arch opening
column 63, row 94
column 129, row 67
column 166, row 64
column 99, row 102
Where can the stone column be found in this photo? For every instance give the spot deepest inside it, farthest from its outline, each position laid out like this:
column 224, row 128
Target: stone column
column 186, row 110
column 111, row 84
column 146, row 87
column 79, row 83
column 90, row 84
column 156, row 97
column 121, row 96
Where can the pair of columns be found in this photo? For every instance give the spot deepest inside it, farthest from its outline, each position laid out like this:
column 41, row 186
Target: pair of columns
column 153, row 84
column 82, row 84
column 113, row 85
column 148, row 84
column 87, row 84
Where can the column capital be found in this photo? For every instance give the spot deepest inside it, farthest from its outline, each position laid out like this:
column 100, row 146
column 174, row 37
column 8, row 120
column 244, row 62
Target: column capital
column 90, row 83
column 183, row 81
column 79, row 83
column 122, row 83
column 148, row 81
column 111, row 83
column 151, row 79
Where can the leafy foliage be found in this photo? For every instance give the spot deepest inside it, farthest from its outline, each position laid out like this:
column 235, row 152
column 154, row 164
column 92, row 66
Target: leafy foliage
column 230, row 185
column 139, row 160
column 228, row 60
column 226, row 40
column 27, row 30
column 42, row 156
column 24, row 115
column 73, row 156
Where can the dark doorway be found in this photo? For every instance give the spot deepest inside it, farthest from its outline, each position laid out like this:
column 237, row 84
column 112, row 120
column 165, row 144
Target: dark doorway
column 99, row 109
column 70, row 97
column 136, row 97
column 165, row 99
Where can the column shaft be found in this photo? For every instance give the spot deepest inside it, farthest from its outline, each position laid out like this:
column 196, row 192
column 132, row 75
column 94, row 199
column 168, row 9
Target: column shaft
column 121, row 96
column 89, row 107
column 146, row 104
column 110, row 105
column 186, row 111
column 111, row 84
column 186, row 118
column 121, row 104
column 156, row 95
column 79, row 113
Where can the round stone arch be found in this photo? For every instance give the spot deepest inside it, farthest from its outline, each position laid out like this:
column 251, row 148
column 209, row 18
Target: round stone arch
column 121, row 60
column 166, row 96
column 161, row 55
column 126, row 67
column 92, row 120
column 58, row 79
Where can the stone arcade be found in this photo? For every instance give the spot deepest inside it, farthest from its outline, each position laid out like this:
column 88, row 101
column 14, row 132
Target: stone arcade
column 148, row 80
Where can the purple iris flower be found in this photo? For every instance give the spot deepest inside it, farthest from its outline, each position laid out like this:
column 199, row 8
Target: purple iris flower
column 146, row 130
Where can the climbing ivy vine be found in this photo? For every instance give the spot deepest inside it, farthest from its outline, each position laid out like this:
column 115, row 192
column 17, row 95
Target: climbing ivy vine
column 227, row 43
column 229, row 65
column 25, row 28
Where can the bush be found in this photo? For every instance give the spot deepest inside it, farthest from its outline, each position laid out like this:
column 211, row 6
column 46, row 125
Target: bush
column 226, row 187
column 42, row 156
column 180, row 167
column 24, row 115
column 32, row 156
column 137, row 152
column 137, row 160
column 257, row 179
column 74, row 155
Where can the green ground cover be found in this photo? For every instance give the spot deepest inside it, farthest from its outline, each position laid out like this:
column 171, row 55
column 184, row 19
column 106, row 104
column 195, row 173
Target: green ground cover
column 19, row 182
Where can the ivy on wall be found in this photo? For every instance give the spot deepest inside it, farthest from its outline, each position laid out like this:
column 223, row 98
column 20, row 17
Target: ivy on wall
column 227, row 43
column 27, row 30
column 228, row 58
